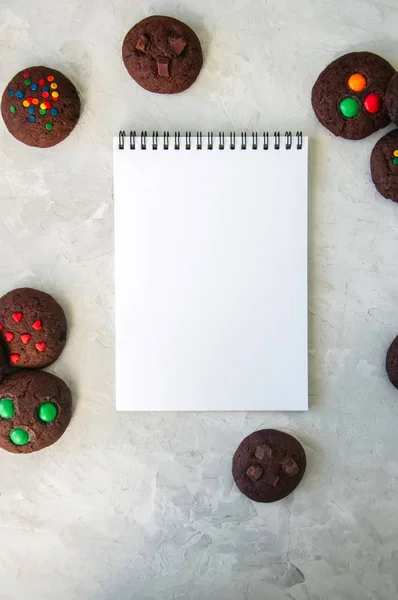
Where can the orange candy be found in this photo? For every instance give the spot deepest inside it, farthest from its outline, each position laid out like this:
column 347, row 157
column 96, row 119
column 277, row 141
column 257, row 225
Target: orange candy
column 35, row 101
column 357, row 82
column 50, row 78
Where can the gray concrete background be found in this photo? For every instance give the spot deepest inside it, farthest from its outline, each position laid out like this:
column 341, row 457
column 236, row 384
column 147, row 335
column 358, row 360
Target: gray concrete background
column 143, row 506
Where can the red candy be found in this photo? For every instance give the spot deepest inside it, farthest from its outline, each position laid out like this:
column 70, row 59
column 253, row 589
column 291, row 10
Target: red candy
column 45, row 94
column 26, row 74
column 14, row 358
column 41, row 81
column 9, row 336
column 25, row 337
column 17, row 317
column 372, row 103
column 47, row 105
column 40, row 346
column 56, row 99
column 37, row 325
column 1, row 326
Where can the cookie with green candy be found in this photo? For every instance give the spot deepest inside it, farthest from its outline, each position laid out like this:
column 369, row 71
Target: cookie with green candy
column 35, row 410
column 349, row 95
column 40, row 106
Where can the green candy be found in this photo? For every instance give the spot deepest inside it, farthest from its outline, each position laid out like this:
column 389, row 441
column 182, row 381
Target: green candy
column 7, row 409
column 49, row 126
column 43, row 111
column 349, row 107
column 28, row 81
column 395, row 160
column 48, row 412
column 13, row 109
column 19, row 437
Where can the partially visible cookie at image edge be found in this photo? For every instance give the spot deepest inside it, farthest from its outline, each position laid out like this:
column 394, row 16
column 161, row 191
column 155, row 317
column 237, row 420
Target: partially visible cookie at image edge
column 392, row 99
column 162, row 55
column 32, row 328
column 268, row 465
column 35, row 410
column 3, row 363
column 392, row 362
column 40, row 106
column 349, row 95
column 384, row 165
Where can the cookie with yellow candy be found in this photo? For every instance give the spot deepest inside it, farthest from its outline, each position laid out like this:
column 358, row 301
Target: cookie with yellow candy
column 40, row 106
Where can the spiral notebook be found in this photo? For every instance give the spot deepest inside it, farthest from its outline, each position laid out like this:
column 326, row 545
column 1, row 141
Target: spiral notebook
column 211, row 271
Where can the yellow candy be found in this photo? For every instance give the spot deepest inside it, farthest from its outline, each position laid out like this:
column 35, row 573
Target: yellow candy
column 53, row 86
column 357, row 82
column 26, row 103
column 395, row 152
column 42, row 106
column 55, row 94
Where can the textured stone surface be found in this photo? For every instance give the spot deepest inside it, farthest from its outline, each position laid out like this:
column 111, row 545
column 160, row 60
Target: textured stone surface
column 143, row 506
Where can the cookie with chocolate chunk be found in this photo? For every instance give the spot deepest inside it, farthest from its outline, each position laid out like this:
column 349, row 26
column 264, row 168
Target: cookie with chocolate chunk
column 35, row 410
column 349, row 95
column 384, row 165
column 162, row 55
column 268, row 465
column 32, row 328
column 40, row 106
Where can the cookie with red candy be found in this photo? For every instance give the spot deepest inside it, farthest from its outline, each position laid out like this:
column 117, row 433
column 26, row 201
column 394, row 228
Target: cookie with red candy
column 32, row 328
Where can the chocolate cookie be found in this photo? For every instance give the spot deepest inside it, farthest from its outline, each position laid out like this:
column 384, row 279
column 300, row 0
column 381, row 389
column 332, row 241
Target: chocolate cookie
column 392, row 362
column 40, row 107
column 162, row 54
column 35, row 410
column 349, row 95
column 268, row 465
column 392, row 99
column 384, row 165
column 32, row 328
column 3, row 363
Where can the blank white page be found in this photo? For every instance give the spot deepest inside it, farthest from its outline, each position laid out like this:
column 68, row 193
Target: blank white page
column 211, row 278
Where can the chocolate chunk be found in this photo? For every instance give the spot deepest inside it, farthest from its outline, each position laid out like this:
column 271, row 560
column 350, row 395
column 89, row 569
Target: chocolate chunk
column 263, row 451
column 177, row 44
column 143, row 43
column 272, row 479
column 163, row 67
column 290, row 466
column 254, row 472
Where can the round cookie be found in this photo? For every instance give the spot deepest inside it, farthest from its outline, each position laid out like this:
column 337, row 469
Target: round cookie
column 162, row 55
column 35, row 410
column 3, row 363
column 349, row 95
column 40, row 107
column 268, row 465
column 384, row 165
column 392, row 99
column 392, row 362
column 32, row 328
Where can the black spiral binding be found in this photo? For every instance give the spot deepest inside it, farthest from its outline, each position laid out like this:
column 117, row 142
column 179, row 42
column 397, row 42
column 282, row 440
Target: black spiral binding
column 212, row 141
